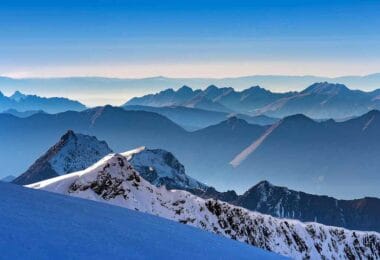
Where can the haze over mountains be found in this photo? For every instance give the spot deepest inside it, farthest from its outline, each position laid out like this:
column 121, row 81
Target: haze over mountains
column 99, row 90
column 320, row 101
column 194, row 118
column 20, row 102
column 317, row 157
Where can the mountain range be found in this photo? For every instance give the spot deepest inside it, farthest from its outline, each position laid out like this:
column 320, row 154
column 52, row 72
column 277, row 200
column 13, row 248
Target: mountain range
column 162, row 168
column 281, row 202
column 21, row 102
column 320, row 101
column 96, row 91
column 325, row 157
column 113, row 180
column 194, row 119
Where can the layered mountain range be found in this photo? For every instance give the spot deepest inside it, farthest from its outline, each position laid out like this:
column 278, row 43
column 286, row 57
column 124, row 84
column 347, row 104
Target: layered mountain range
column 22, row 102
column 113, row 180
column 194, row 118
column 162, row 168
column 320, row 101
column 281, row 202
column 325, row 157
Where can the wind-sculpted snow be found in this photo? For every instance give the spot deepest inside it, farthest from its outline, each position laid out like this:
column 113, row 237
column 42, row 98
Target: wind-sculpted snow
column 113, row 180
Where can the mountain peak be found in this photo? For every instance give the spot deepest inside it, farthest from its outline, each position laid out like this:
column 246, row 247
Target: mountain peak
column 73, row 152
column 185, row 89
column 161, row 168
column 17, row 95
column 325, row 88
column 234, row 121
column 68, row 135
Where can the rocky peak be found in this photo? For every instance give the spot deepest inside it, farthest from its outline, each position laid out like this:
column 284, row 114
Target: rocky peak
column 17, row 96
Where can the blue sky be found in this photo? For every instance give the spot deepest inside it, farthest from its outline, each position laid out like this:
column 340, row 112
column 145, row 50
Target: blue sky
column 188, row 38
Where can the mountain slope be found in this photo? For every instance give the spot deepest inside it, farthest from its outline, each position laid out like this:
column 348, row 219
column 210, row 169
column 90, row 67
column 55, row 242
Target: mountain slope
column 22, row 114
column 72, row 228
column 28, row 138
column 212, row 98
column 22, row 102
column 73, row 152
column 195, row 119
column 324, row 100
column 113, row 180
column 317, row 157
column 359, row 214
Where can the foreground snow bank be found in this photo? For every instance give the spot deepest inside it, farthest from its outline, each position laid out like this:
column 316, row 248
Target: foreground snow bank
column 40, row 225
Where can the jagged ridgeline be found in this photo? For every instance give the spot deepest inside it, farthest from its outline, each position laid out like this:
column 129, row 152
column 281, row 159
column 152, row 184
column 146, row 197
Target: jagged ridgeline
column 114, row 180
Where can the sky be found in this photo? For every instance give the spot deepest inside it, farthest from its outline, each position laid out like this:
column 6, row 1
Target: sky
column 129, row 39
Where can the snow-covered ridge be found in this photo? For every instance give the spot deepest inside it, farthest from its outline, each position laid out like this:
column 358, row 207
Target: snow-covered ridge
column 113, row 180
column 161, row 168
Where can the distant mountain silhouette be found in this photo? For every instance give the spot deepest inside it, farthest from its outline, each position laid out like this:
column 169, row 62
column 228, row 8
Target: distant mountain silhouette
column 212, row 98
column 23, row 113
column 194, row 118
column 325, row 100
column 21, row 102
column 320, row 101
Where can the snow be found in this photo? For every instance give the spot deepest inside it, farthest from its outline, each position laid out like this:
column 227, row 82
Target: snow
column 78, row 153
column 114, row 181
column 168, row 169
column 41, row 225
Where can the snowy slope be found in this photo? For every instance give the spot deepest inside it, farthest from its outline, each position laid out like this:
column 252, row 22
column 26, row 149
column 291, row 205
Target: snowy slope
column 113, row 180
column 41, row 225
column 73, row 152
column 161, row 168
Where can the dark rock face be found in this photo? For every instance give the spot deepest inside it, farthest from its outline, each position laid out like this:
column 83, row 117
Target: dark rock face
column 359, row 214
column 212, row 193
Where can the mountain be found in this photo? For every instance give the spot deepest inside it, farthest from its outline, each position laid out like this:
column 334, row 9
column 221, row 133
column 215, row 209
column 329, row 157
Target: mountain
column 25, row 139
column 318, row 157
column 325, row 157
column 8, row 178
column 73, row 228
column 359, row 214
column 73, row 152
column 325, row 100
column 21, row 102
column 161, row 168
column 212, row 98
column 105, row 88
column 113, row 180
column 23, row 113
column 320, row 101
column 264, row 197
column 184, row 96
column 195, row 119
